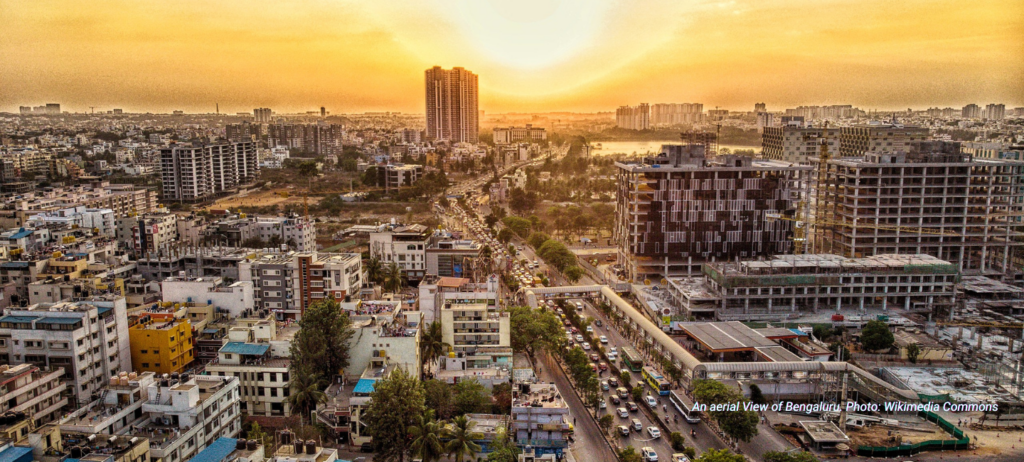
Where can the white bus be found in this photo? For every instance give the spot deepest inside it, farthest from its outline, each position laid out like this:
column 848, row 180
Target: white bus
column 680, row 405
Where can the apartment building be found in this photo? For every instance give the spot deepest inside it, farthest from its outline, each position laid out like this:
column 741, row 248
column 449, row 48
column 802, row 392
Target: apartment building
column 288, row 283
column 256, row 352
column 797, row 145
column 449, row 257
column 198, row 172
column 435, row 292
column 318, row 139
column 513, row 135
column 188, row 261
column 633, row 117
column 100, row 221
column 39, row 393
column 676, row 113
column 161, row 345
column 930, row 200
column 150, row 233
column 540, row 418
column 187, row 414
column 473, row 329
column 788, row 285
column 858, row 140
column 405, row 245
column 680, row 209
column 116, row 410
column 452, row 105
column 231, row 299
column 298, row 232
column 385, row 334
column 88, row 339
column 394, row 176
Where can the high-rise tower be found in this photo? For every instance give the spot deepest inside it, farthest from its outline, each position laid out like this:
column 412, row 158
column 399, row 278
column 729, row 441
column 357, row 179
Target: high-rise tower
column 452, row 105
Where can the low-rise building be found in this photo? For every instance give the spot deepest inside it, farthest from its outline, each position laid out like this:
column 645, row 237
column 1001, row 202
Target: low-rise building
column 540, row 418
column 118, row 408
column 232, row 450
column 228, row 298
column 471, row 328
column 161, row 345
column 184, row 416
column 257, row 354
column 38, row 393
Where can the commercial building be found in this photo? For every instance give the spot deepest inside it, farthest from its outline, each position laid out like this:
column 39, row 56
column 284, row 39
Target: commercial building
column 512, row 135
column 540, row 418
column 198, row 172
column 680, row 209
column 88, row 339
column 790, row 285
column 449, row 257
column 394, row 176
column 633, row 117
column 404, row 245
column 146, row 234
column 38, row 393
column 435, row 292
column 477, row 333
column 930, row 200
column 858, row 140
column 797, row 145
column 161, row 345
column 452, row 105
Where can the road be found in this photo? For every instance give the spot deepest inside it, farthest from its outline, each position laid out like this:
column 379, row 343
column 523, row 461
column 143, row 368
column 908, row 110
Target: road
column 589, row 445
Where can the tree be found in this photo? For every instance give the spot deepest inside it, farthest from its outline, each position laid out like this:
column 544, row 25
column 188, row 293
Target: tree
column 756, row 396
column 395, row 405
column 393, row 278
column 321, row 346
column 522, row 202
column 913, row 351
column 573, row 273
column 257, row 433
column 637, row 392
column 537, row 239
column 505, row 235
column 876, row 336
column 520, row 226
column 462, row 439
column 624, row 377
column 720, row 455
column 534, row 330
column 501, row 394
column 781, row 456
column 306, row 392
column 471, row 397
column 370, row 176
column 739, row 424
column 678, row 442
column 503, row 449
column 605, row 422
column 432, row 345
column 439, row 398
column 556, row 254
column 426, row 438
column 628, row 454
column 375, row 270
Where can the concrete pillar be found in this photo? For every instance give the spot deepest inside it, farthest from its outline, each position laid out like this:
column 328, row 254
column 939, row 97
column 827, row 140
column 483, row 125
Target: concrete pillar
column 862, row 304
column 769, row 304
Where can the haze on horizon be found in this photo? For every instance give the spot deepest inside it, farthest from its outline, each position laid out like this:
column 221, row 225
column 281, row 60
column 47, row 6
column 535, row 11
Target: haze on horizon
column 531, row 55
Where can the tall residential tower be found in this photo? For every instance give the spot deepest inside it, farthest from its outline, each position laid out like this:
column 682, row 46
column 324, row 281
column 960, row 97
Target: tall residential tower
column 452, row 105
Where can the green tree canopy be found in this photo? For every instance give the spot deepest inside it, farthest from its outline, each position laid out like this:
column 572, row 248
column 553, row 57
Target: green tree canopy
column 556, row 254
column 321, row 346
column 440, row 398
column 780, row 456
column 471, row 397
column 537, row 239
column 573, row 273
column 535, row 329
column 876, row 336
column 518, row 225
column 396, row 405
column 720, row 455
column 740, row 424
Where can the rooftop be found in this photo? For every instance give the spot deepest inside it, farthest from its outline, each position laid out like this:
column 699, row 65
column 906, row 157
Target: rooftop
column 543, row 395
column 726, row 336
column 824, row 432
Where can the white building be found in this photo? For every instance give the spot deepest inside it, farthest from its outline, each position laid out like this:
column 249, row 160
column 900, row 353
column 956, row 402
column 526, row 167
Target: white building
column 509, row 135
column 472, row 328
column 88, row 339
column 299, row 231
column 118, row 408
column 404, row 245
column 256, row 353
column 100, row 220
column 234, row 298
column 384, row 335
column 437, row 292
column 36, row 392
column 187, row 414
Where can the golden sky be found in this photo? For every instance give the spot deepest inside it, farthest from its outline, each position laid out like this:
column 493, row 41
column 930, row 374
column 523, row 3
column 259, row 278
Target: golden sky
column 531, row 55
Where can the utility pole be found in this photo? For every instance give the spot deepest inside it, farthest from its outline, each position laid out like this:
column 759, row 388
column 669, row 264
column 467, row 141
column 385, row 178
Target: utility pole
column 93, row 109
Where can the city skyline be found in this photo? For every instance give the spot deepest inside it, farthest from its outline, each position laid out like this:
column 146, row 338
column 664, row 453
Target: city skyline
column 531, row 57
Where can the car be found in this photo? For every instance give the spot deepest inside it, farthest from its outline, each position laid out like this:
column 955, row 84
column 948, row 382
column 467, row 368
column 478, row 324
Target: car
column 624, row 431
column 604, row 339
column 615, row 399
column 622, row 392
column 567, row 324
column 559, row 311
column 632, row 406
column 677, row 457
column 604, row 386
column 602, row 405
column 586, row 345
column 590, row 329
column 653, row 432
column 602, row 366
column 594, row 357
column 648, row 454
column 637, row 425
column 652, row 402
column 613, row 355
column 613, row 382
column 575, row 330
column 598, row 323
column 613, row 350
column 579, row 338
column 593, row 366
column 622, row 412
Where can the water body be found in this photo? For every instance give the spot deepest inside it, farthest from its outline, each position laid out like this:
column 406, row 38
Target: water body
column 644, row 147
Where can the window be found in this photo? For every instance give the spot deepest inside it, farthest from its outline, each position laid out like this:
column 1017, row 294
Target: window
column 144, row 352
column 145, row 364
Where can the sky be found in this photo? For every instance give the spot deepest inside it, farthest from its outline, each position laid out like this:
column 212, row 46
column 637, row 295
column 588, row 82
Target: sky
column 530, row 55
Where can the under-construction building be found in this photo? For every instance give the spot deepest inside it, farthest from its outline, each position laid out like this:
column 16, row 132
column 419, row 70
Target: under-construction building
column 790, row 285
column 930, row 200
column 862, row 139
column 681, row 208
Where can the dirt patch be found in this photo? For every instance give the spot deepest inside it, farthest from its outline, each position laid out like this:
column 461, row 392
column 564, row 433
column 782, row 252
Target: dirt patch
column 264, row 198
column 878, row 435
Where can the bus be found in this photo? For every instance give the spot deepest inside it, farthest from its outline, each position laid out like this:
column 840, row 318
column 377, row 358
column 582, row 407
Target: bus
column 654, row 379
column 631, row 359
column 688, row 415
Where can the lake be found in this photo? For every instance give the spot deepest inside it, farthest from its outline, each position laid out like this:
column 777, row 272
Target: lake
column 641, row 147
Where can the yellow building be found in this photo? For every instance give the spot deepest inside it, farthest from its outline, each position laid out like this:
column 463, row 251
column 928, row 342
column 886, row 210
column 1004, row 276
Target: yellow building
column 160, row 345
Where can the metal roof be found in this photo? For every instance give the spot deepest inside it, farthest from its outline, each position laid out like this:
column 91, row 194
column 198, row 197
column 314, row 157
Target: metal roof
column 58, row 320
column 18, row 319
column 777, row 353
column 243, row 348
column 726, row 336
column 16, row 454
column 216, row 451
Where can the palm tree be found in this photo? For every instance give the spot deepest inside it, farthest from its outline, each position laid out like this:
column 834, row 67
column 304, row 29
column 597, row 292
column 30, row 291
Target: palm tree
column 431, row 344
column 305, row 392
column 462, row 438
column 374, row 270
column 427, row 433
column 393, row 281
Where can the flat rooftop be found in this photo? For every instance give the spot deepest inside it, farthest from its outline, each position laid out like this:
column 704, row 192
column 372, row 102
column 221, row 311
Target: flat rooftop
column 824, row 432
column 726, row 336
column 540, row 395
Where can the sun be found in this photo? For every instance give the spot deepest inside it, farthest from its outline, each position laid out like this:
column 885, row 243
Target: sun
column 530, row 34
